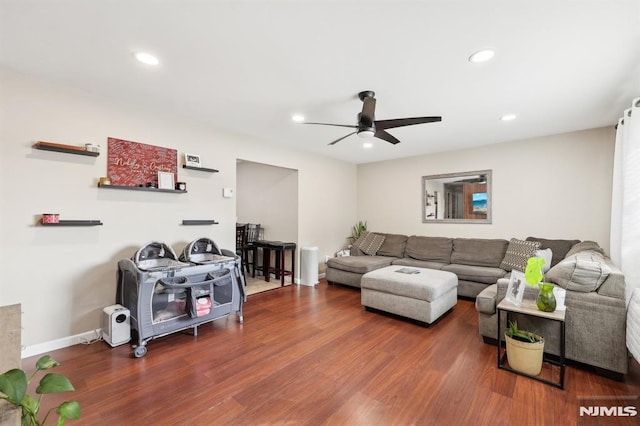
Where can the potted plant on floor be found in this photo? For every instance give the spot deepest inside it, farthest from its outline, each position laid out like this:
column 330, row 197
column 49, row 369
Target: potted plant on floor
column 13, row 389
column 524, row 350
column 357, row 230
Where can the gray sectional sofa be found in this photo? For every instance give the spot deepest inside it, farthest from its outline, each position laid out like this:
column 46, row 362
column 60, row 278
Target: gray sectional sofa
column 595, row 298
column 475, row 261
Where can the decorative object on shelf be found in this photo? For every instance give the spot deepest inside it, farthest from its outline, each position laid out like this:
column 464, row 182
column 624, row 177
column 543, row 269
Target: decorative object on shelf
column 524, row 350
column 152, row 185
column 534, row 276
column 165, row 180
column 67, row 149
column 199, row 222
column 192, row 160
column 133, row 164
column 92, row 147
column 181, row 186
column 105, row 181
column 50, row 218
column 13, row 389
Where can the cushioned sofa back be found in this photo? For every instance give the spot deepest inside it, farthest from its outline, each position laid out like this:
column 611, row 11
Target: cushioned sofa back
column 435, row 249
column 478, row 252
column 393, row 245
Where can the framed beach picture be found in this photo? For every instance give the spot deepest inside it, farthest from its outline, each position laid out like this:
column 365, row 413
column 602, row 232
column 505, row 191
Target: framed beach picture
column 165, row 180
column 515, row 291
column 192, row 160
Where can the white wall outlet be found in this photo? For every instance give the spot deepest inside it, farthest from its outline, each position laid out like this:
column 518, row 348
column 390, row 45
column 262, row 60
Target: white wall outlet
column 227, row 192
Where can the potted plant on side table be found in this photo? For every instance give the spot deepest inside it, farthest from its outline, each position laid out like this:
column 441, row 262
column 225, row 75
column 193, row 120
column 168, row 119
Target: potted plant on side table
column 525, row 350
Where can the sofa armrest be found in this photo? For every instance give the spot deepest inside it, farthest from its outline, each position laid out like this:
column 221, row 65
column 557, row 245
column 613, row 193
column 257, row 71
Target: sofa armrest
column 486, row 300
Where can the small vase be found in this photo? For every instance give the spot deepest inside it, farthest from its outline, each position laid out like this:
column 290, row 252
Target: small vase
column 546, row 301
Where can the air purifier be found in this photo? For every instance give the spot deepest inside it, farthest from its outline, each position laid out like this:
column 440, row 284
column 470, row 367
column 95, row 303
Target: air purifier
column 116, row 329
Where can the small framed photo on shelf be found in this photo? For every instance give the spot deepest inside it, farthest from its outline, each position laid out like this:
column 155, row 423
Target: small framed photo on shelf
column 515, row 291
column 165, row 180
column 192, row 160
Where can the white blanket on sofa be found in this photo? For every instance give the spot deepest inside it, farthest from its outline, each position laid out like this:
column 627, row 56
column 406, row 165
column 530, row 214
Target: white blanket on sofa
column 633, row 324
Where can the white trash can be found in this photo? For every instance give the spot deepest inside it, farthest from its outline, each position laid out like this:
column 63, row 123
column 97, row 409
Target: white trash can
column 309, row 266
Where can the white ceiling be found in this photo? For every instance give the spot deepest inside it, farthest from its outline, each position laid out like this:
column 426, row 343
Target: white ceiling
column 248, row 65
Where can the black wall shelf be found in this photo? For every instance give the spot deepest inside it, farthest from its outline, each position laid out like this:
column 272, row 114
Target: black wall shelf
column 73, row 223
column 200, row 222
column 202, row 169
column 54, row 148
column 142, row 188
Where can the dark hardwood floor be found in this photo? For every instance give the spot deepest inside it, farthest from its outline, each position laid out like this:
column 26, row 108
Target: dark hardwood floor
column 315, row 356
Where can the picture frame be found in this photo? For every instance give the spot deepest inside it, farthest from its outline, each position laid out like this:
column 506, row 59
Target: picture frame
column 192, row 160
column 515, row 291
column 165, row 180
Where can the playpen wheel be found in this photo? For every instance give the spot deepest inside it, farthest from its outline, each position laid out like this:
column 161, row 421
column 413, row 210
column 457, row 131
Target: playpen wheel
column 140, row 351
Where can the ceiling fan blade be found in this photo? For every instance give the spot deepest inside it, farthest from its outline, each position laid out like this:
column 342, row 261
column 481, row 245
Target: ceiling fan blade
column 344, row 137
column 399, row 122
column 368, row 110
column 334, row 125
column 381, row 134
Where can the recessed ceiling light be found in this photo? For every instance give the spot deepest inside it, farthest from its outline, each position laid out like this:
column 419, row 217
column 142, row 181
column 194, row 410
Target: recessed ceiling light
column 367, row 144
column 298, row 118
column 147, row 58
column 508, row 117
column 482, row 56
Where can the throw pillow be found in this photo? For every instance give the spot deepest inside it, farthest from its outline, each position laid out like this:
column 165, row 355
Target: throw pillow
column 370, row 243
column 547, row 255
column 518, row 252
column 583, row 272
column 559, row 248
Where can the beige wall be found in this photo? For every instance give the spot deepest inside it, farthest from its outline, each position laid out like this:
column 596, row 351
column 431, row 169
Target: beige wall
column 63, row 277
column 555, row 187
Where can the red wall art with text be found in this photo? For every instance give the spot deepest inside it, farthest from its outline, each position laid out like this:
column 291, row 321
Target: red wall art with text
column 135, row 164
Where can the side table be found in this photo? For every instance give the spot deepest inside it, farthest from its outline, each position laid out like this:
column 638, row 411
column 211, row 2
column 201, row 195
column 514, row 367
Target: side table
column 528, row 307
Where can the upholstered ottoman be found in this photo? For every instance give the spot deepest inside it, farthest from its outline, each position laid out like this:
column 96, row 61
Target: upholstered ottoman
column 423, row 296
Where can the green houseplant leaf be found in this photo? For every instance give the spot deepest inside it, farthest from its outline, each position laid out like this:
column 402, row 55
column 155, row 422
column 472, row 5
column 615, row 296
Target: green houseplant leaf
column 13, row 383
column 46, row 362
column 54, row 383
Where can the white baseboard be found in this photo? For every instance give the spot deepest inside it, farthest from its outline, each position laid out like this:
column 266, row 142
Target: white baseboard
column 41, row 348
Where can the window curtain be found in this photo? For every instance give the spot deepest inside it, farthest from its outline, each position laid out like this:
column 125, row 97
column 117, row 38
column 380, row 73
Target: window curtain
column 625, row 205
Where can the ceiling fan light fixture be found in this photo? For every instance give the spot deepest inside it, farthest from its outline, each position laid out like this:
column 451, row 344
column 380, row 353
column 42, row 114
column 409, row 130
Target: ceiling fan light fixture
column 366, row 134
column 367, row 144
column 483, row 55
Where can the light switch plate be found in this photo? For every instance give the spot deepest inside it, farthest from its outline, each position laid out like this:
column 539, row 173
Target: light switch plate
column 227, row 192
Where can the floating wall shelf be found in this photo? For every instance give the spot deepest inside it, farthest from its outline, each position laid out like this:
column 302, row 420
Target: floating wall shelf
column 67, row 149
column 202, row 169
column 200, row 222
column 142, row 188
column 73, row 223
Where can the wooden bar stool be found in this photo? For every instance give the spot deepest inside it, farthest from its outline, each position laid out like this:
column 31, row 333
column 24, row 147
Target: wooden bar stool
column 279, row 248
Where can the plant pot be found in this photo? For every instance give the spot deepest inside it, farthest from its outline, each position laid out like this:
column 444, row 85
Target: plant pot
column 525, row 357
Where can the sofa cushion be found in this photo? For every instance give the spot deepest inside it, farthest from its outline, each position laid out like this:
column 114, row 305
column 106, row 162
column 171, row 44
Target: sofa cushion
column 359, row 264
column 478, row 274
column 407, row 261
column 585, row 245
column 559, row 248
column 369, row 243
column 582, row 272
column 478, row 252
column 435, row 249
column 393, row 245
column 518, row 253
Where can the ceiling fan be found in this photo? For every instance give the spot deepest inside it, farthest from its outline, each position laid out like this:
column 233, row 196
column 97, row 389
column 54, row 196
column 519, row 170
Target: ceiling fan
column 368, row 126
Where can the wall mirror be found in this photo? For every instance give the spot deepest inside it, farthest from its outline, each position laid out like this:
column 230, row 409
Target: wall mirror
column 457, row 197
